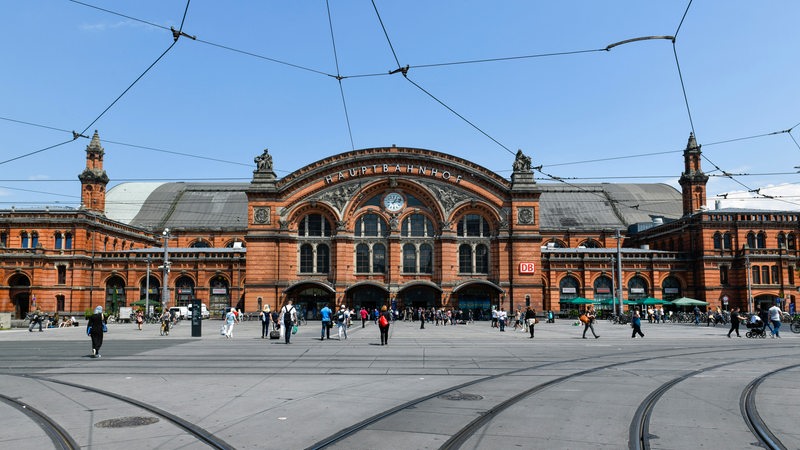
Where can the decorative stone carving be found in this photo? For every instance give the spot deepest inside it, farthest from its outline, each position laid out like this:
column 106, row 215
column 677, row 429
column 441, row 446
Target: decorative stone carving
column 263, row 162
column 448, row 197
column 394, row 224
column 341, row 225
column 338, row 197
column 261, row 215
column 445, row 225
column 522, row 163
column 525, row 216
column 284, row 224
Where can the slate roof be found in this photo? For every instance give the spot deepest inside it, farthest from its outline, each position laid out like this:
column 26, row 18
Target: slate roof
column 200, row 206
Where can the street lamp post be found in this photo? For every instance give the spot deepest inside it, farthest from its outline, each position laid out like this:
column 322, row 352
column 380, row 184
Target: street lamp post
column 165, row 267
column 749, row 281
column 147, row 290
column 619, row 271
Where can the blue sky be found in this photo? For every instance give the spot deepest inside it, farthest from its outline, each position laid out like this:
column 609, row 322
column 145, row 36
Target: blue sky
column 590, row 116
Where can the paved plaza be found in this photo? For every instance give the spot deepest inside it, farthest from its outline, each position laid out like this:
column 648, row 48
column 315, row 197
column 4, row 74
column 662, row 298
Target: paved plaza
column 465, row 386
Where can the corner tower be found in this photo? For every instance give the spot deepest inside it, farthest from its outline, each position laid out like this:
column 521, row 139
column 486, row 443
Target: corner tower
column 94, row 178
column 693, row 180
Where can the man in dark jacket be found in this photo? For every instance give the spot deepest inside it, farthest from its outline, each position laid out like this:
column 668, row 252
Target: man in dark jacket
column 94, row 328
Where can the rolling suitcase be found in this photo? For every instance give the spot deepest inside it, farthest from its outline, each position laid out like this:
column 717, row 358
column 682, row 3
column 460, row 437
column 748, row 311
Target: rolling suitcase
column 275, row 334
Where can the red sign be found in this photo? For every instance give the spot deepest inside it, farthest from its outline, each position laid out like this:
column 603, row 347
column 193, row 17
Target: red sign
column 526, row 267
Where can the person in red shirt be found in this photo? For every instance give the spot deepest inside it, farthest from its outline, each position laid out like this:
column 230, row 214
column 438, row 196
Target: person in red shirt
column 364, row 314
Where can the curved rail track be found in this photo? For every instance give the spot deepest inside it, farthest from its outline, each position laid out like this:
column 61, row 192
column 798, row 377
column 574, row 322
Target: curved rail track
column 59, row 436
column 747, row 405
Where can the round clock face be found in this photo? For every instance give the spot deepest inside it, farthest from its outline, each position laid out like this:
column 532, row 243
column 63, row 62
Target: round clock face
column 393, row 202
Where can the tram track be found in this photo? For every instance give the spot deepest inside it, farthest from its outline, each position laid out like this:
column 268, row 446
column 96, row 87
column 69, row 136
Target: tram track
column 60, row 438
column 750, row 413
column 199, row 433
column 458, row 438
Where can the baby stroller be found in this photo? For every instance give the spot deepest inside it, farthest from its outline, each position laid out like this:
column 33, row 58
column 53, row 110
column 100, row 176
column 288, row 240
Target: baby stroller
column 756, row 329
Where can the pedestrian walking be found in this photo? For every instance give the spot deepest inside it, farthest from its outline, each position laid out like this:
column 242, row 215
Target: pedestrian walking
column 775, row 314
column 265, row 320
column 591, row 315
column 530, row 319
column 36, row 319
column 421, row 319
column 139, row 319
column 735, row 318
column 341, row 321
column 501, row 319
column 636, row 323
column 326, row 322
column 95, row 328
column 289, row 317
column 383, row 324
column 364, row 314
column 230, row 320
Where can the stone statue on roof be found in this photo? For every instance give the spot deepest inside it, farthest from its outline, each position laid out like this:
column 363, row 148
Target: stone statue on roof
column 522, row 163
column 263, row 161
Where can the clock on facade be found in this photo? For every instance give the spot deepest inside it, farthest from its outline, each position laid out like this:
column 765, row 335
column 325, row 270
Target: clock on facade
column 393, row 202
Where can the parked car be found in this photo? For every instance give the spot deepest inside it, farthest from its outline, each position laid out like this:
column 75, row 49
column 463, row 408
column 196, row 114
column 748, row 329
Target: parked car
column 204, row 314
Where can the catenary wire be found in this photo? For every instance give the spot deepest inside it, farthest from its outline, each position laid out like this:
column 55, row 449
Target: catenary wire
column 339, row 77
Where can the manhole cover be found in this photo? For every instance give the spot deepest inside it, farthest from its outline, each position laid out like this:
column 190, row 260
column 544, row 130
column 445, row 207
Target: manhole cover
column 124, row 422
column 455, row 396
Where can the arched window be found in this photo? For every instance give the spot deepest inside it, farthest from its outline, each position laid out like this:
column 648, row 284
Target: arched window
column 34, row 239
column 200, row 244
column 554, row 243
column 323, row 258
column 306, row 258
column 568, row 288
column 590, row 243
column 637, row 288
column 717, row 240
column 379, row 258
column 370, row 225
column 409, row 258
column 417, row 225
column 726, row 241
column 775, row 275
column 781, row 240
column 472, row 225
column 751, row 240
column 314, row 225
column 465, row 258
column 761, row 240
column 362, row 258
column 425, row 258
column 3, row 239
column 68, row 241
column 59, row 240
column 765, row 274
column 24, row 239
column 481, row 259
column 790, row 242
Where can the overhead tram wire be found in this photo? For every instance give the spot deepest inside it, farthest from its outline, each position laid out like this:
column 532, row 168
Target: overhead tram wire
column 339, row 77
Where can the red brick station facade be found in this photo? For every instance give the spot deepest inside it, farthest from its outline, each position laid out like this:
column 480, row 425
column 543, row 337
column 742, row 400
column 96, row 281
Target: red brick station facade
column 403, row 227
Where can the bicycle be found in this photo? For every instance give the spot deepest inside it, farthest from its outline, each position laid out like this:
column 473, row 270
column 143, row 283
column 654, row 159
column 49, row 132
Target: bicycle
column 795, row 325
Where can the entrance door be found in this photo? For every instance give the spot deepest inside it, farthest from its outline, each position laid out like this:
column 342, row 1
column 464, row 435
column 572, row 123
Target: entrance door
column 370, row 297
column 22, row 305
column 419, row 297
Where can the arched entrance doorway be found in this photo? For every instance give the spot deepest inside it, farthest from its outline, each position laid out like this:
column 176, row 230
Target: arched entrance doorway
column 367, row 295
column 419, row 295
column 765, row 301
column 20, row 294
column 184, row 290
column 150, row 298
column 309, row 298
column 115, row 294
column 220, row 296
column 476, row 298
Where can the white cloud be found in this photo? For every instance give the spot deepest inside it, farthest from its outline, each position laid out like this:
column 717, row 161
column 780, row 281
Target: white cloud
column 787, row 198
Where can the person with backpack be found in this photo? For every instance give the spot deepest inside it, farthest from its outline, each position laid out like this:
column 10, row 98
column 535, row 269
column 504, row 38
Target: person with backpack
column 265, row 320
column 383, row 324
column 341, row 321
column 289, row 318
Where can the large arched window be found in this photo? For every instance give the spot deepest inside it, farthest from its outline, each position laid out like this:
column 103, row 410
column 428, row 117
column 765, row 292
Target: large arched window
column 59, row 239
column 379, row 258
column 781, row 240
column 473, row 258
column 717, row 240
column 481, row 259
column 590, row 243
column 726, row 241
column 23, row 239
column 306, row 258
column 637, row 288
column 370, row 225
column 315, row 258
column 34, row 240
column 200, row 244
column 791, row 243
column 465, row 258
column 409, row 258
column 362, row 258
column 472, row 225
column 417, row 225
column 314, row 225
column 417, row 258
column 323, row 258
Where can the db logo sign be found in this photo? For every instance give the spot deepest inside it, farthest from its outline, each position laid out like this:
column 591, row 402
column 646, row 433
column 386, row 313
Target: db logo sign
column 526, row 267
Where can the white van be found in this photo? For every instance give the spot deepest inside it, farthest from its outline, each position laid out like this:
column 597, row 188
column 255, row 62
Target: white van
column 204, row 314
column 181, row 312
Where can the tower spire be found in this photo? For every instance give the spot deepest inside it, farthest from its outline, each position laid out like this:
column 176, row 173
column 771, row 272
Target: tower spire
column 94, row 178
column 693, row 180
